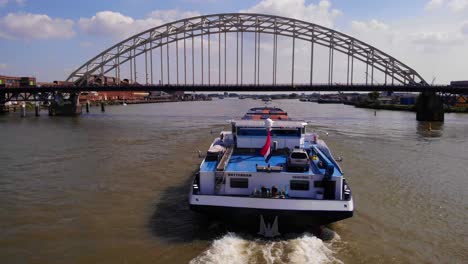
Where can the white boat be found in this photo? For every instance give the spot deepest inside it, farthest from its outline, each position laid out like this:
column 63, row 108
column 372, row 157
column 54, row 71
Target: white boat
column 298, row 185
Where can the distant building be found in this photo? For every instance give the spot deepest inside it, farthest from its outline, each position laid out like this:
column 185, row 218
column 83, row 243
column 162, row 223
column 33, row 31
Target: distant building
column 462, row 101
column 386, row 100
column 15, row 82
column 459, row 83
column 159, row 95
column 407, row 100
column 113, row 96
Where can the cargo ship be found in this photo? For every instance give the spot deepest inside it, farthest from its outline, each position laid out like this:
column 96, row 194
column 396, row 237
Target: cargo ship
column 270, row 175
column 260, row 113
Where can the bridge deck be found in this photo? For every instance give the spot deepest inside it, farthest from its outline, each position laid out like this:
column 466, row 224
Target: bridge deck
column 245, row 88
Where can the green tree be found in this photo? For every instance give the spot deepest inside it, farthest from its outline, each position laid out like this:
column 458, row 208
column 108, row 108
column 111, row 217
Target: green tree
column 373, row 95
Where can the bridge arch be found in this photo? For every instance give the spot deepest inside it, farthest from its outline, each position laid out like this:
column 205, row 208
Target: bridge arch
column 126, row 51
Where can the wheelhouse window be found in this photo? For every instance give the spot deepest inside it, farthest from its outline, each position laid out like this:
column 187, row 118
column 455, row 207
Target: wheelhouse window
column 251, row 131
column 275, row 132
column 296, row 185
column 289, row 132
column 239, row 183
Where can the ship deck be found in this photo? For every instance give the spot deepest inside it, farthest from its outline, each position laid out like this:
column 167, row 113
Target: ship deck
column 248, row 162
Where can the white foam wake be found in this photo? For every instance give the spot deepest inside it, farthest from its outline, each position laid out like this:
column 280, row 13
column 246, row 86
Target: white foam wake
column 233, row 249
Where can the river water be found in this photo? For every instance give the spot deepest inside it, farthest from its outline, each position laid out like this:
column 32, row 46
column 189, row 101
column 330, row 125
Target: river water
column 112, row 187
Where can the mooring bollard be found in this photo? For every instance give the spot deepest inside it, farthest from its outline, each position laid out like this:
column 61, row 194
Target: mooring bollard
column 87, row 106
column 103, row 109
column 37, row 108
column 23, row 110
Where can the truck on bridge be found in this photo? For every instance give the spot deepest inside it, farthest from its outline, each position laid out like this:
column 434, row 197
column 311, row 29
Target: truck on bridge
column 16, row 82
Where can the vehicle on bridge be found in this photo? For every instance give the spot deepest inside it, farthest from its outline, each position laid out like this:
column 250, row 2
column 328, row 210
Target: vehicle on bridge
column 16, row 82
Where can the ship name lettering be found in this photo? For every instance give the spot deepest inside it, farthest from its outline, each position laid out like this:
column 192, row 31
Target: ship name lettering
column 239, row 175
column 301, row 177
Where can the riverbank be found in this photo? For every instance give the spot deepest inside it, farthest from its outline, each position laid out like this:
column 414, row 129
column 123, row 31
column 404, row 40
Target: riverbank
column 410, row 108
column 31, row 105
column 119, row 102
column 392, row 107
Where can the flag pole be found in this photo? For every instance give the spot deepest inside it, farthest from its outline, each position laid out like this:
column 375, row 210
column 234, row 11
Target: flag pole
column 265, row 151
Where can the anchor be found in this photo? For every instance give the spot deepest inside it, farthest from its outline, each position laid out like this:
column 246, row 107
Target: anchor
column 267, row 230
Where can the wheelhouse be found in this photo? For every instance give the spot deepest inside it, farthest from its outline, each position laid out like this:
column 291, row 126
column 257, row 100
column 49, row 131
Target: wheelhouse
column 300, row 165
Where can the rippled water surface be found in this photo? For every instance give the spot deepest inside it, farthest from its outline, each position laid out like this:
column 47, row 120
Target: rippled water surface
column 112, row 187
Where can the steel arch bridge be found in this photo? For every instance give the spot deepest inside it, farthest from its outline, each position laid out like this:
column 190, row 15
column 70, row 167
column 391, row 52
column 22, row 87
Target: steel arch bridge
column 196, row 29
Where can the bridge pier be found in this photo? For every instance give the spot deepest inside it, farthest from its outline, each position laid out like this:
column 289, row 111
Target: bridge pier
column 23, row 109
column 65, row 107
column 2, row 104
column 37, row 109
column 429, row 107
column 3, row 109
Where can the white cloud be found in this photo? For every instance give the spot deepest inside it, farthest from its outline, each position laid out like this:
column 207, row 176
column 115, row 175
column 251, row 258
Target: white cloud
column 435, row 39
column 3, row 66
column 320, row 13
column 35, row 26
column 165, row 16
column 454, row 5
column 369, row 26
column 108, row 23
column 5, row 2
column 458, row 5
column 374, row 32
column 464, row 28
column 427, row 43
column 434, row 4
column 421, row 34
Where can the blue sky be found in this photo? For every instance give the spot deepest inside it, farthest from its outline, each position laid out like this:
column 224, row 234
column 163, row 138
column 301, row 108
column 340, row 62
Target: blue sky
column 136, row 8
column 50, row 38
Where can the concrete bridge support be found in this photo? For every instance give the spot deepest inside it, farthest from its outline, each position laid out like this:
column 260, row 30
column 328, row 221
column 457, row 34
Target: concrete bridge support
column 2, row 104
column 61, row 106
column 429, row 107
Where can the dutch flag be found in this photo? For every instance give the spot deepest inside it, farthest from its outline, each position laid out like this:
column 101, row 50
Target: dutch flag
column 266, row 149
